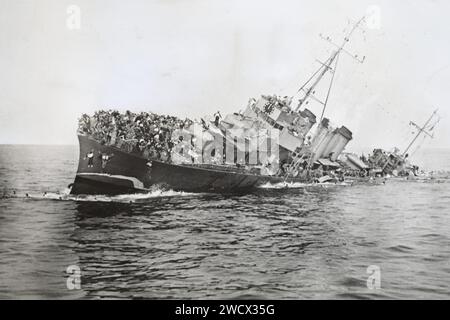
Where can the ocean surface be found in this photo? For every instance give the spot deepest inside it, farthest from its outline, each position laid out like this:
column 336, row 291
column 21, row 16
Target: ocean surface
column 304, row 242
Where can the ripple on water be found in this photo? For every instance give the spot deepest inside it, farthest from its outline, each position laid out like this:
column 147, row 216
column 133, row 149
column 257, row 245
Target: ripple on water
column 299, row 241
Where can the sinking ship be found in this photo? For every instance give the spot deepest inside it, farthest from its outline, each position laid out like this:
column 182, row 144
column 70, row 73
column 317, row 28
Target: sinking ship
column 271, row 141
column 244, row 168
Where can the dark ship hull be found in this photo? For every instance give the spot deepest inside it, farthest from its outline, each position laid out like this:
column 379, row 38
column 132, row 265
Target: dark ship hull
column 126, row 173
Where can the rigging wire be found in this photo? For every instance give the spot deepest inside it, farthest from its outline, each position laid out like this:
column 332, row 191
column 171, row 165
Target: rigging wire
column 329, row 88
column 419, row 145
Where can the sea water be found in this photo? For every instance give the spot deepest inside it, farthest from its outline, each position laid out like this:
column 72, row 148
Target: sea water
column 371, row 241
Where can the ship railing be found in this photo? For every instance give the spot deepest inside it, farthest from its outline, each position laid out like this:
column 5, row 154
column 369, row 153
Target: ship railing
column 222, row 167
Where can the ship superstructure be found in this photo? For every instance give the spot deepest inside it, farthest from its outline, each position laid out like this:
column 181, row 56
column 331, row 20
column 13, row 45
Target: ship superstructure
column 271, row 141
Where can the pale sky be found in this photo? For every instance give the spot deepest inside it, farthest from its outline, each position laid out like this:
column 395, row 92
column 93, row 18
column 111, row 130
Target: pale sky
column 194, row 57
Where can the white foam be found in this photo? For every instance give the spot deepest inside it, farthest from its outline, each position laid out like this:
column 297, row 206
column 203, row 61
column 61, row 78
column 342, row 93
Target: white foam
column 123, row 198
column 297, row 185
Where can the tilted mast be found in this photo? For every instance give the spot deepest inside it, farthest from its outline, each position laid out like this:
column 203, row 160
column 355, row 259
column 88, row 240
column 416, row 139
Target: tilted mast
column 421, row 131
column 329, row 65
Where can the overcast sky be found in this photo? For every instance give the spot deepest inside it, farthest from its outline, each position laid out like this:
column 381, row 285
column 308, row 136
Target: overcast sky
column 193, row 57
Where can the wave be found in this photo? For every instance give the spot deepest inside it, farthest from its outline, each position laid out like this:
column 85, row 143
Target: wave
column 297, row 185
column 123, row 198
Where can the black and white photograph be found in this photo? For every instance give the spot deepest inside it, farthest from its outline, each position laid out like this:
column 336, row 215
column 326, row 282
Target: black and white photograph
column 235, row 152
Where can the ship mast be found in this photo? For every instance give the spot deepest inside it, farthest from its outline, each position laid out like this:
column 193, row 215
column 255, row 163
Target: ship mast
column 421, row 130
column 329, row 65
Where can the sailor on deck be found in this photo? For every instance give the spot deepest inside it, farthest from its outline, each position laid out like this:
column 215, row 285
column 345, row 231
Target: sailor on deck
column 90, row 158
column 217, row 117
